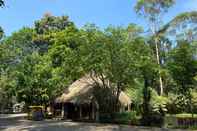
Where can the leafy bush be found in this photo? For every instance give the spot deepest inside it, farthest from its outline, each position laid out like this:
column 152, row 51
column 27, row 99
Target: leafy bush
column 158, row 103
column 125, row 118
column 105, row 118
column 136, row 95
column 194, row 101
column 157, row 108
column 177, row 103
column 183, row 120
column 120, row 118
column 153, row 119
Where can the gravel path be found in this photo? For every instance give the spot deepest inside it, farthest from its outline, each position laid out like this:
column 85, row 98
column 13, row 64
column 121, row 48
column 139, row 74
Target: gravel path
column 19, row 124
column 7, row 116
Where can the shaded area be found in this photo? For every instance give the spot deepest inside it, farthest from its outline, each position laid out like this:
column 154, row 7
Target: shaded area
column 20, row 124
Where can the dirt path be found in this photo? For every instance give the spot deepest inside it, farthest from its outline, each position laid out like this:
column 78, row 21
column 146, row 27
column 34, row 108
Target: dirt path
column 19, row 124
column 7, row 116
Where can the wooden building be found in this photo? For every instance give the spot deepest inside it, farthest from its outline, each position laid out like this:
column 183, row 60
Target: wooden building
column 79, row 103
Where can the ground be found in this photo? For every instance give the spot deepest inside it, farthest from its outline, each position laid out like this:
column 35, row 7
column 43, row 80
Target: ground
column 18, row 123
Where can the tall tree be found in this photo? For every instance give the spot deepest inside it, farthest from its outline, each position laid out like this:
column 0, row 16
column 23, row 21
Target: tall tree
column 46, row 27
column 110, row 56
column 15, row 47
column 152, row 11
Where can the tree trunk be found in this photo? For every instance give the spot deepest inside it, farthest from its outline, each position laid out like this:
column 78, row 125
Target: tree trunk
column 146, row 103
column 117, row 96
column 154, row 31
column 158, row 62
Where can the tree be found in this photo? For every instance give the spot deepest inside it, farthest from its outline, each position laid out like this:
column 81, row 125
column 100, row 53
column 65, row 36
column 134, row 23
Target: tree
column 65, row 54
column 118, row 51
column 1, row 33
column 47, row 27
column 146, row 70
column 7, row 84
column 15, row 47
column 109, row 56
column 153, row 10
column 183, row 67
column 27, row 60
column 181, row 22
column 2, row 3
column 36, row 81
column 52, row 23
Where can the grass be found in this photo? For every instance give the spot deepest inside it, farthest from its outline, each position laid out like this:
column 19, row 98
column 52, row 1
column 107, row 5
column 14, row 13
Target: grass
column 186, row 115
column 170, row 120
column 182, row 115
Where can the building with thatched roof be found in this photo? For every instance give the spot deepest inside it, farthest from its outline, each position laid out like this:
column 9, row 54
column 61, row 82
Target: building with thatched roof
column 79, row 101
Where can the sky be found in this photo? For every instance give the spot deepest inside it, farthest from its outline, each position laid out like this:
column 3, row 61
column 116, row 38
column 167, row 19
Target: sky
column 20, row 13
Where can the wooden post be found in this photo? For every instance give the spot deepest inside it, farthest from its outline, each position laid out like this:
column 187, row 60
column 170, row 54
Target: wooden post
column 93, row 115
column 129, row 107
column 97, row 112
column 80, row 112
column 62, row 113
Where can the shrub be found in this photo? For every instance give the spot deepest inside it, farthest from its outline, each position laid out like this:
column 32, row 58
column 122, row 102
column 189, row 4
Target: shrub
column 158, row 103
column 105, row 118
column 153, row 119
column 156, row 110
column 125, row 118
column 183, row 120
column 120, row 118
column 176, row 103
column 194, row 101
column 179, row 103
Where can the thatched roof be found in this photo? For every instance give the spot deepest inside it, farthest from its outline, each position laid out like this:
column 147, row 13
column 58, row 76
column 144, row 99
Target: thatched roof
column 81, row 91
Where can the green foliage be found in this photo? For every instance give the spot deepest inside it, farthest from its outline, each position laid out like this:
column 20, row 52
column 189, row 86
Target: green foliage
column 27, row 60
column 136, row 95
column 153, row 6
column 14, row 48
column 64, row 53
column 51, row 23
column 177, row 103
column 183, row 70
column 186, row 115
column 2, row 3
column 6, row 92
column 153, row 9
column 194, row 100
column 1, row 33
column 159, row 103
column 110, row 55
column 125, row 118
column 180, row 22
column 37, row 63
column 180, row 103
column 120, row 118
column 183, row 120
